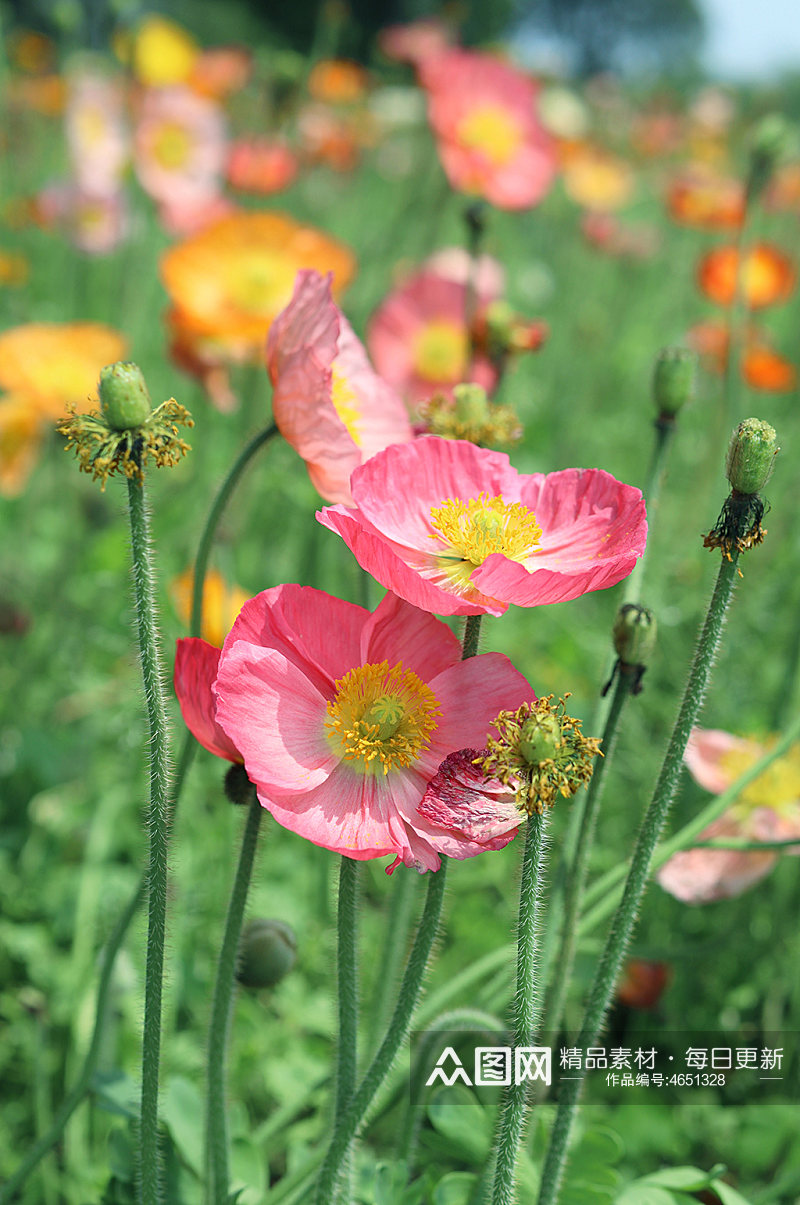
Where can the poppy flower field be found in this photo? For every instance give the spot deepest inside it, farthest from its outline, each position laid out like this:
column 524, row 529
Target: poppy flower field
column 400, row 748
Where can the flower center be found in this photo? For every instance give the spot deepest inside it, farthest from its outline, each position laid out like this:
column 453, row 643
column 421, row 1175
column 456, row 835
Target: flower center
column 493, row 131
column 345, row 403
column 440, row 351
column 381, row 718
column 260, row 283
column 171, row 146
column 477, row 528
column 777, row 788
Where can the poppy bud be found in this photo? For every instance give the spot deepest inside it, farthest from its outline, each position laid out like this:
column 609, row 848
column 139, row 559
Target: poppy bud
column 124, row 399
column 267, row 952
column 238, row 787
column 673, row 379
column 634, row 634
column 751, row 456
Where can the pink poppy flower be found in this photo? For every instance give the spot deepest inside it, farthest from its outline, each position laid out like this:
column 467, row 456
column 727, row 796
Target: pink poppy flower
column 483, row 113
column 179, row 146
column 767, row 810
column 97, row 137
column 475, row 535
column 327, row 401
column 415, row 42
column 196, row 664
column 343, row 717
column 418, row 337
column 261, row 165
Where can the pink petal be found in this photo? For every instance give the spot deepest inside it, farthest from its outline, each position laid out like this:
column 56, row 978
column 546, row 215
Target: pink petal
column 276, row 716
column 196, row 664
column 318, row 633
column 398, row 631
column 467, row 811
column 701, row 876
column 471, row 694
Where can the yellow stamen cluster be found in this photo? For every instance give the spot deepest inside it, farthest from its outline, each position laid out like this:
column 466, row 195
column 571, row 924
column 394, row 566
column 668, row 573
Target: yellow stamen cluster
column 381, row 718
column 492, row 130
column 483, row 525
column 543, row 748
column 499, row 426
column 440, row 351
column 103, row 451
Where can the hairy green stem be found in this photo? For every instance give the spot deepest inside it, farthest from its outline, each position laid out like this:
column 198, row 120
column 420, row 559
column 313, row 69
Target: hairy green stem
column 347, row 972
column 212, row 522
column 664, row 428
column 514, row 1105
column 576, row 881
column 649, row 833
column 221, row 1011
column 348, row 1123
column 157, row 824
column 471, row 637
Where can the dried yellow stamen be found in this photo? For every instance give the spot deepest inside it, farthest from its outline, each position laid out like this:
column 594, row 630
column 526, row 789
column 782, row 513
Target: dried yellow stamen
column 381, row 718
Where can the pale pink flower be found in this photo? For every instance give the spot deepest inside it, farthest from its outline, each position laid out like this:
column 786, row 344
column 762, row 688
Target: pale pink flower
column 766, row 810
column 491, row 143
column 95, row 222
column 343, row 718
column 415, row 42
column 97, row 136
column 196, row 664
column 327, row 401
column 182, row 215
column 418, row 337
column 179, row 146
column 474, row 535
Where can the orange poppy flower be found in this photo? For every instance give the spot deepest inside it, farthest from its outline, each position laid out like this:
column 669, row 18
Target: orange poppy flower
column 57, row 364
column 643, row 983
column 597, row 180
column 337, row 81
column 763, row 368
column 221, row 603
column 218, row 72
column 711, row 340
column 702, row 199
column 228, row 282
column 767, row 276
column 21, row 431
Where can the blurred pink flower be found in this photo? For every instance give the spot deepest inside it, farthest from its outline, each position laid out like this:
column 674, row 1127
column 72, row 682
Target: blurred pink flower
column 261, row 165
column 483, row 113
column 196, row 664
column 184, row 216
column 97, row 137
column 179, row 146
column 327, row 401
column 415, row 42
column 454, row 529
column 767, row 810
column 95, row 222
column 418, row 337
column 343, row 717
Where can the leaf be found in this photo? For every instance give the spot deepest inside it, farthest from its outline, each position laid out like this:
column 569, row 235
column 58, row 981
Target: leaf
column 181, row 1110
column 689, row 1179
column 456, row 1188
column 640, row 1194
column 457, row 1115
column 728, row 1195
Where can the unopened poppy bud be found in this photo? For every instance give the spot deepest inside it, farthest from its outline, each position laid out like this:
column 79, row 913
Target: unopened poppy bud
column 472, row 405
column 773, row 140
column 267, row 952
column 238, row 787
column 634, row 634
column 673, row 379
column 124, row 399
column 751, row 456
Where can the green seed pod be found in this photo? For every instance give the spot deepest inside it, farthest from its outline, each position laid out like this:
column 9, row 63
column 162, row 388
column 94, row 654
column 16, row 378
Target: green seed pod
column 634, row 634
column 540, row 738
column 124, row 399
column 673, row 379
column 267, row 952
column 472, row 405
column 751, row 456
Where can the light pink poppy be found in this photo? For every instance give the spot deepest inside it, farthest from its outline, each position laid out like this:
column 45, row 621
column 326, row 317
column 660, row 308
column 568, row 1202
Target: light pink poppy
column 261, row 165
column 767, row 810
column 95, row 222
column 418, row 337
column 97, row 137
column 416, row 41
column 474, row 535
column 185, row 215
column 491, row 143
column 196, row 664
column 179, row 146
column 343, row 718
column 327, row 401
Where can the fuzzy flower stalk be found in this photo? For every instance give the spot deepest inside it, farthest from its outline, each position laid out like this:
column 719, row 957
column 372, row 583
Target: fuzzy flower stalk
column 749, row 465
column 542, row 754
column 122, row 437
